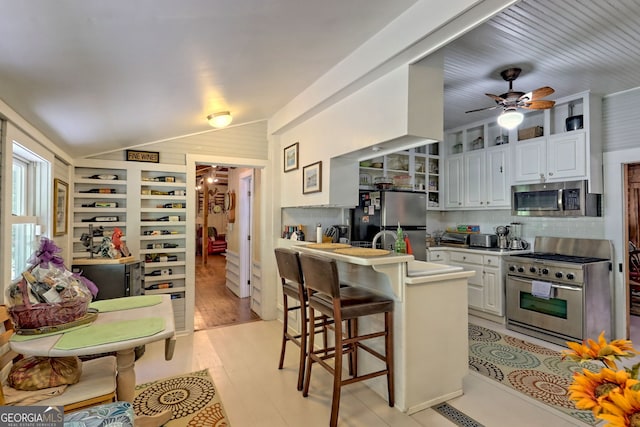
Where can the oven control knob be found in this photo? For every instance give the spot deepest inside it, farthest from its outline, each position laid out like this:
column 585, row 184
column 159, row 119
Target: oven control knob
column 520, row 270
column 570, row 276
column 545, row 271
column 512, row 268
column 532, row 269
column 559, row 275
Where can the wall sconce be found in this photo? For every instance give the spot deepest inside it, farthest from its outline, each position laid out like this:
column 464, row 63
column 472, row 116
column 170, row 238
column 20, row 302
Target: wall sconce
column 510, row 118
column 219, row 120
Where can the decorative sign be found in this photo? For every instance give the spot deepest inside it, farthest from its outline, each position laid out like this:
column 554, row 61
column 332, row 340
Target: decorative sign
column 143, row 156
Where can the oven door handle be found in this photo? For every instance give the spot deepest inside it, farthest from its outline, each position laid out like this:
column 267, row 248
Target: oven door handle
column 553, row 285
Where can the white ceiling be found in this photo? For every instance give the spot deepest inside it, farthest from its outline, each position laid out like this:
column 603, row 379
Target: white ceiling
column 97, row 75
column 570, row 45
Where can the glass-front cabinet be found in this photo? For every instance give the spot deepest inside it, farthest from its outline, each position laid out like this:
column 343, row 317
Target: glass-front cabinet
column 414, row 169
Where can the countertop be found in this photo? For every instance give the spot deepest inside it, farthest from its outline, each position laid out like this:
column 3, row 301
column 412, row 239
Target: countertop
column 392, row 258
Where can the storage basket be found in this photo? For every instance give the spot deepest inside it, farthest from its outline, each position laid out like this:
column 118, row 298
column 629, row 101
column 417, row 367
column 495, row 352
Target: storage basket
column 528, row 133
column 33, row 316
column 48, row 314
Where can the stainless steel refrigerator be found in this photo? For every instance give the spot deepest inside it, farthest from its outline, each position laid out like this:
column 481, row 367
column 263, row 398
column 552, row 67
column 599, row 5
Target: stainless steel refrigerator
column 384, row 210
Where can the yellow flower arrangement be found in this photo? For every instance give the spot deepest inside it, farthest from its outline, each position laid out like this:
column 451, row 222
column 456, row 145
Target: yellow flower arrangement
column 612, row 394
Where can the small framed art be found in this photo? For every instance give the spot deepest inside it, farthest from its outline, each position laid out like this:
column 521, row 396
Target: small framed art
column 312, row 178
column 60, row 203
column 291, row 158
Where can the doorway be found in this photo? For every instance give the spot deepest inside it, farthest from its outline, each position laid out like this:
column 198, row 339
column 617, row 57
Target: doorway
column 217, row 217
column 631, row 174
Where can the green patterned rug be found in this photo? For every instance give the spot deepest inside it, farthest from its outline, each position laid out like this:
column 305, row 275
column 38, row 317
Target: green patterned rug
column 193, row 399
column 533, row 370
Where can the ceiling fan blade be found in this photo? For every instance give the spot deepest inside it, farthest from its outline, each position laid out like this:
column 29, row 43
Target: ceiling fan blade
column 536, row 94
column 538, row 105
column 482, row 109
column 495, row 97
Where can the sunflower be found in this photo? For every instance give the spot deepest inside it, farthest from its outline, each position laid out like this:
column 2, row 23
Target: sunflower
column 607, row 353
column 590, row 389
column 622, row 409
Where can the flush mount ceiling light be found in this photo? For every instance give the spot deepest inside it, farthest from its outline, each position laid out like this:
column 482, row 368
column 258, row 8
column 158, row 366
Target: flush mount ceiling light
column 219, row 120
column 510, row 118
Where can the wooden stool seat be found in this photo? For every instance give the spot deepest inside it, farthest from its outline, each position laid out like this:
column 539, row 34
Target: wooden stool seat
column 326, row 297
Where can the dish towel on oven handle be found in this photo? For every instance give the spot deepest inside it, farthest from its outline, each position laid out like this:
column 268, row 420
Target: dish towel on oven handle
column 541, row 289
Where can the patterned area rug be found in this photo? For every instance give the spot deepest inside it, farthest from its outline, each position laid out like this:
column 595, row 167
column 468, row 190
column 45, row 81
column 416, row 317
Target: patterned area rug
column 535, row 371
column 193, row 398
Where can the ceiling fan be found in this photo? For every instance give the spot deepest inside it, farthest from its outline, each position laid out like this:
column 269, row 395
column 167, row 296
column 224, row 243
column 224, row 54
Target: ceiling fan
column 512, row 100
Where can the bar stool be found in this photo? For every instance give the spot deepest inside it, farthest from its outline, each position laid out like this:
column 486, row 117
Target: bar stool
column 348, row 303
column 290, row 271
column 292, row 287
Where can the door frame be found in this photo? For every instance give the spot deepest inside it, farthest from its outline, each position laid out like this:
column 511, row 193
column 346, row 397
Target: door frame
column 269, row 305
column 616, row 230
column 245, row 203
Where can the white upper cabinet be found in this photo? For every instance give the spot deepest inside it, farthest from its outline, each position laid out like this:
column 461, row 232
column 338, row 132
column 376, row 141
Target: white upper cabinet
column 477, row 167
column 453, row 184
column 570, row 147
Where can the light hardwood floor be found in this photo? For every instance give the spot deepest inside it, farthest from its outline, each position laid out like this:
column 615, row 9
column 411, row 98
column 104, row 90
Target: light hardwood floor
column 243, row 359
column 215, row 305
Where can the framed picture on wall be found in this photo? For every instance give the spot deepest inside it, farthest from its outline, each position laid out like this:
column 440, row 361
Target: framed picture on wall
column 291, row 158
column 60, row 204
column 312, row 178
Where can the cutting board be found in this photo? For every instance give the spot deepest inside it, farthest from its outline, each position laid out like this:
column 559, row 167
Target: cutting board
column 91, row 261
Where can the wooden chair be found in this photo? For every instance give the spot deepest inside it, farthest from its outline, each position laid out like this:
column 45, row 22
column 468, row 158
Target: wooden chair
column 634, row 262
column 345, row 303
column 97, row 384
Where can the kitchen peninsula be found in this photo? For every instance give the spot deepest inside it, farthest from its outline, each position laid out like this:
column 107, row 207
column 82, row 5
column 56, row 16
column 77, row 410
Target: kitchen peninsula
column 430, row 323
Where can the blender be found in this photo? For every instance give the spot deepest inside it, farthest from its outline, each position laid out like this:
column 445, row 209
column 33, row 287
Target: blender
column 503, row 231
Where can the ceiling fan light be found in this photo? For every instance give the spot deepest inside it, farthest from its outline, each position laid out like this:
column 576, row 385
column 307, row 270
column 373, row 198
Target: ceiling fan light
column 220, row 120
column 510, row 119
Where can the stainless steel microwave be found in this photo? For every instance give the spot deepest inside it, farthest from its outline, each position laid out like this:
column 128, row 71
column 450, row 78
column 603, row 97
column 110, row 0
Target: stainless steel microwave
column 558, row 199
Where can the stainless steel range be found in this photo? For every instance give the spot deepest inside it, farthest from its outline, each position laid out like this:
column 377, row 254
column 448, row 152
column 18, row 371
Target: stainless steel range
column 562, row 291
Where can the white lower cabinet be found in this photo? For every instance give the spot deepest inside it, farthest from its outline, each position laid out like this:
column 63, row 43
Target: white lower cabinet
column 486, row 288
column 437, row 255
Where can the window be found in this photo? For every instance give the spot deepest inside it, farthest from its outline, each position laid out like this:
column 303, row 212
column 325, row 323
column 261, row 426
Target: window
column 30, row 201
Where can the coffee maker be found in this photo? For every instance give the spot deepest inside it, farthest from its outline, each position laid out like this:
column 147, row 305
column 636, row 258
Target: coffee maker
column 342, row 233
column 517, row 242
column 503, row 241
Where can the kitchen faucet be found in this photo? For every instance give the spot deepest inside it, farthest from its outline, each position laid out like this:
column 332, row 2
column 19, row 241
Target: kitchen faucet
column 379, row 234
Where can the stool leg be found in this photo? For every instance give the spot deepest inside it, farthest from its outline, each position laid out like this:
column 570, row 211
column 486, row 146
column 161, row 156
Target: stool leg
column 325, row 334
column 353, row 355
column 310, row 346
column 337, row 373
column 304, row 332
column 388, row 344
column 285, row 329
